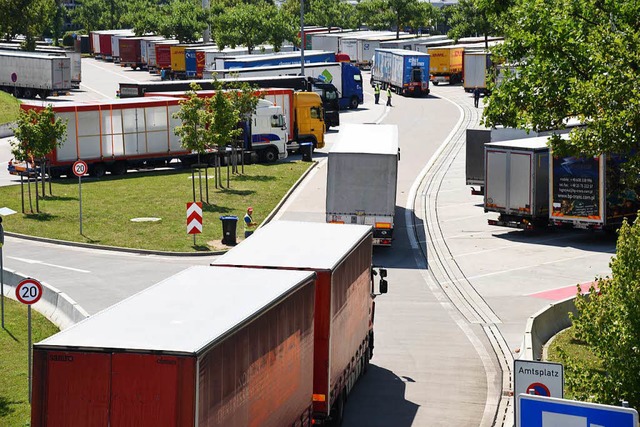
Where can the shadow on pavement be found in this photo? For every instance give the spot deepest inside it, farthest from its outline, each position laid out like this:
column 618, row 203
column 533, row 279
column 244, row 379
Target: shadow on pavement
column 378, row 400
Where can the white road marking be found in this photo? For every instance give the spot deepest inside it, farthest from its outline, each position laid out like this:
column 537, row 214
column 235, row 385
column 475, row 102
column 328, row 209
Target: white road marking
column 33, row 261
column 109, row 71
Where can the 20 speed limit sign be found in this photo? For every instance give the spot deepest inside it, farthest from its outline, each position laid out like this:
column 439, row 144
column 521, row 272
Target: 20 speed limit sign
column 29, row 291
column 80, row 168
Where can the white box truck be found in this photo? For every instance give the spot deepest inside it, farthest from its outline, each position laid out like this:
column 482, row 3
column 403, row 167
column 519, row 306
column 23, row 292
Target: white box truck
column 362, row 178
column 475, row 68
column 517, row 182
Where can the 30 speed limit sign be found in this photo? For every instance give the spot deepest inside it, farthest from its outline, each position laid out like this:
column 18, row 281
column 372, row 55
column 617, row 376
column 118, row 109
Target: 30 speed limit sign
column 80, row 168
column 29, row 291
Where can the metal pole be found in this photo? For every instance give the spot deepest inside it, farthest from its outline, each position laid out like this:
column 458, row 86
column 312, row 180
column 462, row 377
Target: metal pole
column 302, row 38
column 80, row 198
column 29, row 349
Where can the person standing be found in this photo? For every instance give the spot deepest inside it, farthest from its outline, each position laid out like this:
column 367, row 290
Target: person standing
column 376, row 92
column 249, row 224
column 389, row 97
column 476, row 96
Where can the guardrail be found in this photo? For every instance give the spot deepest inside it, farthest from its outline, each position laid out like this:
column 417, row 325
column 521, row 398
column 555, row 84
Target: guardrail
column 55, row 305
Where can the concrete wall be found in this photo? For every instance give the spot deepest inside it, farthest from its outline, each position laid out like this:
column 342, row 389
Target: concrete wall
column 545, row 324
column 5, row 130
column 55, row 305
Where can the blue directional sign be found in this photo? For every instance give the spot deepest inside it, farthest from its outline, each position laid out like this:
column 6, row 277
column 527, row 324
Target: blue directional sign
column 540, row 411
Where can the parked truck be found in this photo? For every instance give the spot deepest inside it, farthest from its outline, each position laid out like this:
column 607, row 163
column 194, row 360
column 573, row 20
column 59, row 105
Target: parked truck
column 131, row 52
column 341, row 257
column 517, row 182
column 73, row 54
column 346, row 78
column 446, row 64
column 588, row 192
column 404, row 71
column 31, row 74
column 477, row 65
column 301, row 121
column 209, row 346
column 117, row 135
column 362, row 178
column 276, row 59
column 327, row 91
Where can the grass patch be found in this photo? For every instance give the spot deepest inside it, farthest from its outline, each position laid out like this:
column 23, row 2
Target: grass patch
column 9, row 108
column 14, row 403
column 109, row 204
column 578, row 352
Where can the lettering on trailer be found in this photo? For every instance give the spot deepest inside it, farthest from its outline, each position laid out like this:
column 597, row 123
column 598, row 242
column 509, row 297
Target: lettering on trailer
column 194, row 217
column 61, row 358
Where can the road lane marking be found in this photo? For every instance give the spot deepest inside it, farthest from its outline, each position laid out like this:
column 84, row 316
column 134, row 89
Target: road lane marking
column 33, row 261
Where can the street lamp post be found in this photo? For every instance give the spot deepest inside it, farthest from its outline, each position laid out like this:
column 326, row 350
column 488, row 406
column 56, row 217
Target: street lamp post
column 302, row 37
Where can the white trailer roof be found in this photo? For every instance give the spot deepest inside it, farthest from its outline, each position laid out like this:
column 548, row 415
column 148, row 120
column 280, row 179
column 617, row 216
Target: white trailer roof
column 312, row 245
column 535, row 143
column 185, row 313
column 367, row 139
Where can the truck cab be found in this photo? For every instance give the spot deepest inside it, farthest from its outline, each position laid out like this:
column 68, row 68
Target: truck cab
column 331, row 102
column 310, row 125
column 269, row 132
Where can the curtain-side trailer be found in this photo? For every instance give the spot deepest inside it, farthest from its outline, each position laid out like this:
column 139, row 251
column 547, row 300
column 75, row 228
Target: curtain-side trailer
column 31, row 74
column 341, row 256
column 404, row 71
column 210, row 346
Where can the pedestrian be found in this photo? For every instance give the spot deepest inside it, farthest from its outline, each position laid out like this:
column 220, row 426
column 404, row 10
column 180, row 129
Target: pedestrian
column 476, row 96
column 376, row 92
column 249, row 224
column 389, row 97
column 163, row 74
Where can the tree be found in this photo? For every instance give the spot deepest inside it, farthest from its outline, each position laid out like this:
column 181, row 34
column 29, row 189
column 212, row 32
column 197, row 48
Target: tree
column 37, row 134
column 243, row 25
column 608, row 321
column 90, row 15
column 142, row 16
column 185, row 20
column 385, row 14
column 468, row 18
column 280, row 28
column 573, row 59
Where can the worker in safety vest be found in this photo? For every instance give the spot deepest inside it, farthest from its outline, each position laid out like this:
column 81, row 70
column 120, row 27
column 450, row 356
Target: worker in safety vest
column 389, row 97
column 249, row 224
column 376, row 92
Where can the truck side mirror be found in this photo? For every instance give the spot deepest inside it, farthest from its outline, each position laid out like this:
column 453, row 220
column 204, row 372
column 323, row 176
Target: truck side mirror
column 383, row 273
column 384, row 286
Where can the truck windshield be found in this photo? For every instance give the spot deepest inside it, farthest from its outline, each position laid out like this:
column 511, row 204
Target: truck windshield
column 357, row 78
column 331, row 95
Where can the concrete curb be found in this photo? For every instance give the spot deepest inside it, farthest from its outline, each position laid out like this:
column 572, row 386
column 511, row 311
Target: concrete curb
column 6, row 129
column 543, row 325
column 55, row 305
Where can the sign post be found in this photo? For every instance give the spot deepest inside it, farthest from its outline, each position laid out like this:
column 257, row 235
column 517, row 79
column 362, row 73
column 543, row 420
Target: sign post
column 79, row 169
column 194, row 219
column 29, row 291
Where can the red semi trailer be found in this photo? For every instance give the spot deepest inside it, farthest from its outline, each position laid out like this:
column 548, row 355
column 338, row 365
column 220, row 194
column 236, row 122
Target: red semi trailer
column 341, row 256
column 208, row 347
column 131, row 52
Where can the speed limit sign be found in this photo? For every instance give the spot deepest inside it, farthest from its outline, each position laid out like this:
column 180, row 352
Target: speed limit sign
column 29, row 291
column 80, row 168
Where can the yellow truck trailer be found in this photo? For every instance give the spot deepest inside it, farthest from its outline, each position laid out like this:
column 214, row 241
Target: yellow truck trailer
column 446, row 64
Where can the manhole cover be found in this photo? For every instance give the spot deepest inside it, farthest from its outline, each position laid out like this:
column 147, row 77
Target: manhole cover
column 146, row 219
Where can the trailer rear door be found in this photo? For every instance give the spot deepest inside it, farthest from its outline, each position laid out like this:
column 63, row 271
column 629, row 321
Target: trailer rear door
column 519, row 187
column 149, row 390
column 76, row 389
column 495, row 179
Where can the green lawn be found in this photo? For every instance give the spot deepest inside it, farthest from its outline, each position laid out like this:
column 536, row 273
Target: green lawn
column 9, row 107
column 577, row 350
column 14, row 403
column 109, row 204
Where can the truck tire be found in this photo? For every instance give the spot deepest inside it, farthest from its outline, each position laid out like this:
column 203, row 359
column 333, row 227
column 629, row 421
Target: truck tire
column 270, row 155
column 119, row 168
column 97, row 170
column 436, row 83
column 44, row 94
column 353, row 103
column 28, row 93
column 337, row 412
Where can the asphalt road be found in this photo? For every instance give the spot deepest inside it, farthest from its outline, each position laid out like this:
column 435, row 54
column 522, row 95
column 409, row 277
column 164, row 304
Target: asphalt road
column 460, row 290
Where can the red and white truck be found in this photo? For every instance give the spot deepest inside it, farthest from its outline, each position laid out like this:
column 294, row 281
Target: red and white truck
column 120, row 134
column 341, row 257
column 210, row 346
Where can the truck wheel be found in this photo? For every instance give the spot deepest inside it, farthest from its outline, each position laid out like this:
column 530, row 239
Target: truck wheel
column 97, row 170
column 44, row 94
column 353, row 103
column 270, row 155
column 119, row 168
column 337, row 413
column 436, row 83
column 28, row 93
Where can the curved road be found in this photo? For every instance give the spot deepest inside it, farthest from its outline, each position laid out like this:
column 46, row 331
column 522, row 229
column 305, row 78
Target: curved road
column 460, row 290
